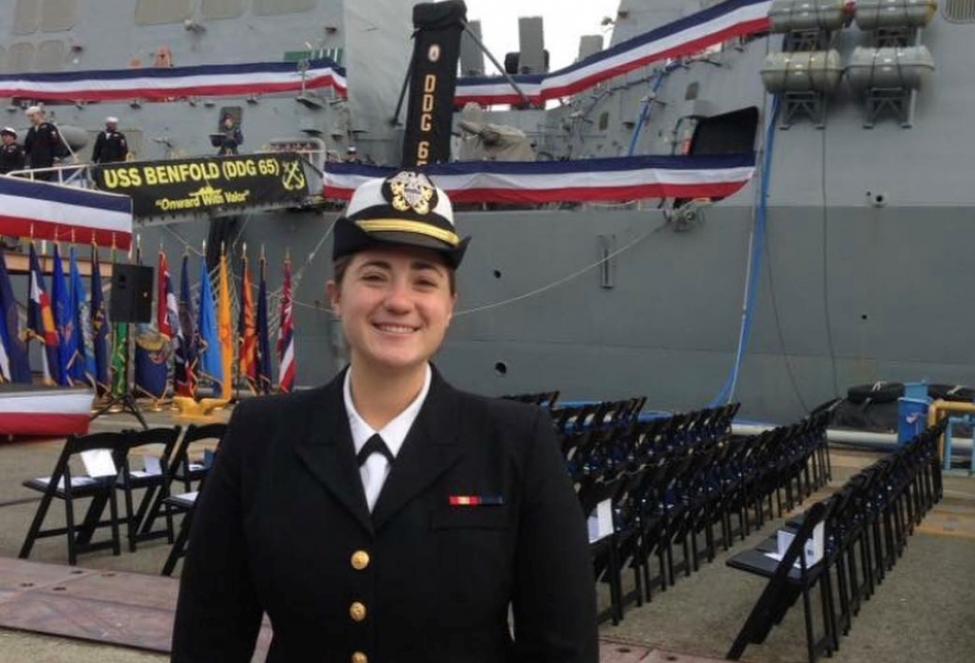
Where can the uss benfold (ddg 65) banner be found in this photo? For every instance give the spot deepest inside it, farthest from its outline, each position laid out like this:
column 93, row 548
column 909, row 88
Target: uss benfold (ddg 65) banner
column 187, row 186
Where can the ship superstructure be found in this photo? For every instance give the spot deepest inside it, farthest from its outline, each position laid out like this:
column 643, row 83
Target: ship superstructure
column 865, row 258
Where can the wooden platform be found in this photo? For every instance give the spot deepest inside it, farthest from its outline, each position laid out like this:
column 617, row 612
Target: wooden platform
column 109, row 607
column 612, row 650
column 136, row 610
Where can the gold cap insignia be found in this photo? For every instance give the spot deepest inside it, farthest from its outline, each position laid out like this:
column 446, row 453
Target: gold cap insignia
column 409, row 190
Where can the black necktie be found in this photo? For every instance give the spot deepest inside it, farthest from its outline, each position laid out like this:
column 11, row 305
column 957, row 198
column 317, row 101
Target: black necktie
column 374, row 445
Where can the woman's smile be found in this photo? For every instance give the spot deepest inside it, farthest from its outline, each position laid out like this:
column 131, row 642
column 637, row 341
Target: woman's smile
column 395, row 305
column 395, row 329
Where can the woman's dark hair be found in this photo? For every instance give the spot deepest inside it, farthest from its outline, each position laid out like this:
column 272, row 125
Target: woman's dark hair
column 341, row 264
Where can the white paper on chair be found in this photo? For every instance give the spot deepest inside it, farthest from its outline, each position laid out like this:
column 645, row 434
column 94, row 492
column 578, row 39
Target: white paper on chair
column 99, row 463
column 813, row 550
column 601, row 521
column 151, row 465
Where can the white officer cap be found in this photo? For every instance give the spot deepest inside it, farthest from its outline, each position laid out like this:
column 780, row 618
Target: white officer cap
column 111, row 119
column 8, row 130
column 34, row 109
column 405, row 208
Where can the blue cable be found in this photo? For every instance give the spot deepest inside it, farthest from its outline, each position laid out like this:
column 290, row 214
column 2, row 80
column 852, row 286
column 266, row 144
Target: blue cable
column 645, row 112
column 755, row 268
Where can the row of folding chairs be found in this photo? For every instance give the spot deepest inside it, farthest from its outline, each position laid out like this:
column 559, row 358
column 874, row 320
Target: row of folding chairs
column 103, row 466
column 596, row 415
column 543, row 398
column 680, row 482
column 865, row 526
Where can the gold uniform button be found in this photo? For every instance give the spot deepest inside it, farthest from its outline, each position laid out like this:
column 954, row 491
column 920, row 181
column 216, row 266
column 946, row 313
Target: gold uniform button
column 359, row 657
column 360, row 560
column 357, row 611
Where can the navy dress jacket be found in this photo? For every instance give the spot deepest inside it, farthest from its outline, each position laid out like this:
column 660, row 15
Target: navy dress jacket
column 430, row 576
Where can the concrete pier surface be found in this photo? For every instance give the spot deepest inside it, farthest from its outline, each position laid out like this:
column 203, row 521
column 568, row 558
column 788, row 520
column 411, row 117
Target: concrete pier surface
column 923, row 611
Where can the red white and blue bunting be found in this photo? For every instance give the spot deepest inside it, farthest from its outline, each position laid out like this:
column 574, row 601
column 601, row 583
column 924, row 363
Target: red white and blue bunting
column 687, row 36
column 26, row 410
column 580, row 180
column 64, row 213
column 174, row 83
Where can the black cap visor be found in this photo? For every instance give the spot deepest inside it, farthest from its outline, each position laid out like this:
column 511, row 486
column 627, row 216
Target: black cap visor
column 350, row 238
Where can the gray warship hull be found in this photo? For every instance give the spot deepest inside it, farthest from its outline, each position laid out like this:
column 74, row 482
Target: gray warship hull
column 668, row 327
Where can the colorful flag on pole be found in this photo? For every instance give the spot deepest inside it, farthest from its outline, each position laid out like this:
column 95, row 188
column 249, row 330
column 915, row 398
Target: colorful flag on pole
column 167, row 308
column 263, row 338
column 4, row 359
column 211, row 358
column 286, row 332
column 13, row 354
column 247, row 327
column 151, row 357
column 225, row 321
column 40, row 321
column 63, row 319
column 82, row 363
column 120, row 360
column 99, row 325
column 186, row 346
column 167, row 311
column 151, row 362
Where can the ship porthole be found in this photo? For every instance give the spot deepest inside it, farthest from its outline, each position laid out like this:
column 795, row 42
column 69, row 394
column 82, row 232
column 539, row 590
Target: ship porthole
column 497, row 273
column 501, row 368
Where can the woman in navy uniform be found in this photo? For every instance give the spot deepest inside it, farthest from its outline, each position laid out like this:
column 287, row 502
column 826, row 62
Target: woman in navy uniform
column 388, row 517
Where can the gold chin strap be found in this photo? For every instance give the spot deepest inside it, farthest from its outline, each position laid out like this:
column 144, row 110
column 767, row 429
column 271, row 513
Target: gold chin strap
column 402, row 225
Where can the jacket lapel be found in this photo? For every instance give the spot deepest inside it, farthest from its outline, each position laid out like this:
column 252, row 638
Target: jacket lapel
column 327, row 450
column 430, row 449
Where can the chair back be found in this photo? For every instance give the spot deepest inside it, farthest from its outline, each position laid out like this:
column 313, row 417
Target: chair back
column 166, row 437
column 75, row 445
column 193, row 434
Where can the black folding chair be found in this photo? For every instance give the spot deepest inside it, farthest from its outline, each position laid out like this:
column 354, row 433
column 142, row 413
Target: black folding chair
column 786, row 584
column 605, row 551
column 63, row 485
column 152, row 483
column 185, row 503
column 867, row 523
column 185, row 469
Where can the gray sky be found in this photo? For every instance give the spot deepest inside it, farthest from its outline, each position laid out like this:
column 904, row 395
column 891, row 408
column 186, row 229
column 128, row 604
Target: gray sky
column 565, row 22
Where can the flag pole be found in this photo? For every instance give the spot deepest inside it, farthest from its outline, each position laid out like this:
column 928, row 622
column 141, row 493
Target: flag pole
column 95, row 265
column 264, row 381
column 226, row 305
column 28, row 332
column 239, row 341
column 113, row 380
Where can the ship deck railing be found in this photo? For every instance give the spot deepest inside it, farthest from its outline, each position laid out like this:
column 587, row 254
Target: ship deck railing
column 76, row 175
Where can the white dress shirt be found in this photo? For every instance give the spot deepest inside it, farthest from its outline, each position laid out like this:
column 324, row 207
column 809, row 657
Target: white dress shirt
column 376, row 468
